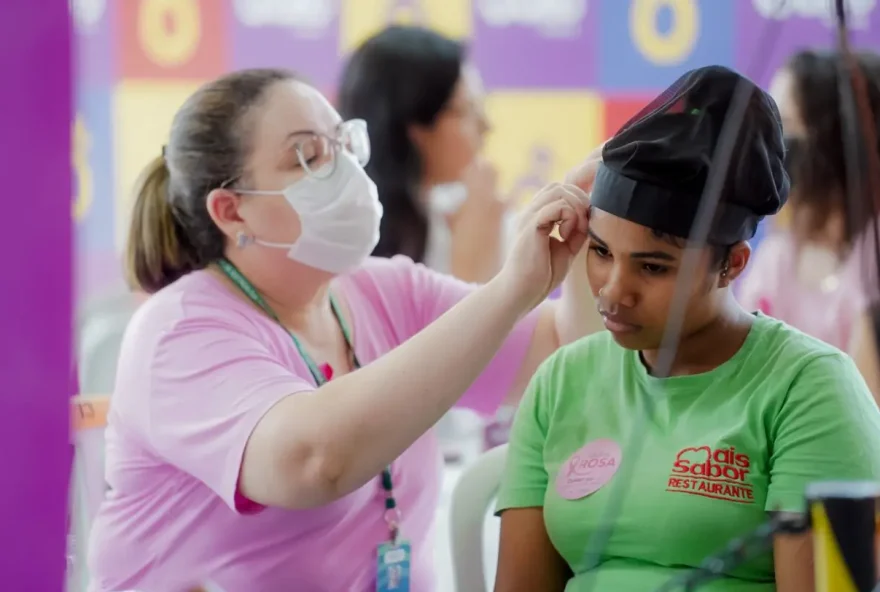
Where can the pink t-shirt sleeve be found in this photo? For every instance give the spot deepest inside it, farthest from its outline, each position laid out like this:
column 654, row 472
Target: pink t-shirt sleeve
column 211, row 381
column 430, row 294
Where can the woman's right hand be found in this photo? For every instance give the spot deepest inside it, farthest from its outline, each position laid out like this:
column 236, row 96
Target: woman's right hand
column 538, row 261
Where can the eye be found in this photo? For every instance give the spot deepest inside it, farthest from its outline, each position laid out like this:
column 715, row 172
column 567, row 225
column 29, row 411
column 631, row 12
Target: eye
column 306, row 152
column 655, row 269
column 600, row 251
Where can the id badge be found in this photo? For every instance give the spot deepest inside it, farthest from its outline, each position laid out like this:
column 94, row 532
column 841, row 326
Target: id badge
column 392, row 567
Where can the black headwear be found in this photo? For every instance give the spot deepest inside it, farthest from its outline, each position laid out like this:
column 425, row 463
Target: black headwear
column 655, row 168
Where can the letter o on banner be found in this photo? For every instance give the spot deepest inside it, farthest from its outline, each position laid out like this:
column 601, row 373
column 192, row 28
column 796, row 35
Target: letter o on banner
column 670, row 48
column 85, row 186
column 169, row 30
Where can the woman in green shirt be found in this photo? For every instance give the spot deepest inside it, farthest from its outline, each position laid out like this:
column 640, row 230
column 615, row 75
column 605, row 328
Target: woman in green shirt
column 749, row 412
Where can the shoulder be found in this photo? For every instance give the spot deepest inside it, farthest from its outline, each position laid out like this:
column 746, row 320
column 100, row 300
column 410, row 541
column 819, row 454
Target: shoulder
column 405, row 289
column 198, row 307
column 574, row 367
column 195, row 298
column 811, row 374
column 785, row 345
column 380, row 276
column 392, row 273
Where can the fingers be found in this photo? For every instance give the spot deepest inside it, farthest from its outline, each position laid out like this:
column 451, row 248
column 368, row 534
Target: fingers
column 566, row 213
column 556, row 191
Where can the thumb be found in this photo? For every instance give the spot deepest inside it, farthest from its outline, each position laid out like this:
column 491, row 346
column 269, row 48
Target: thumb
column 576, row 241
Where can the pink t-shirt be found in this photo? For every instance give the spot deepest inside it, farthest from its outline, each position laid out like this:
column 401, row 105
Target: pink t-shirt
column 197, row 370
column 771, row 285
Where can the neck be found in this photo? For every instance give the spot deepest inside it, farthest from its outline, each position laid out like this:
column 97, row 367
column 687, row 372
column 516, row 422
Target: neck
column 710, row 346
column 302, row 306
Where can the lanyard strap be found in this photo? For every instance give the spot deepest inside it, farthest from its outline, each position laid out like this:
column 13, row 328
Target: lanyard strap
column 392, row 512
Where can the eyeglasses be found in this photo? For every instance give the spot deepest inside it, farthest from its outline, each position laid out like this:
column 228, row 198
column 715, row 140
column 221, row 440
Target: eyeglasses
column 317, row 153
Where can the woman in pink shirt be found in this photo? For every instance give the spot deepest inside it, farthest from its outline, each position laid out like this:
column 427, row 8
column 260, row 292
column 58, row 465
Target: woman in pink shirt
column 805, row 274
column 232, row 458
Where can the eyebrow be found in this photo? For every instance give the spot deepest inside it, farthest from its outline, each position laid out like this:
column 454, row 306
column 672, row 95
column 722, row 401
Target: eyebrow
column 658, row 255
column 312, row 132
column 303, row 132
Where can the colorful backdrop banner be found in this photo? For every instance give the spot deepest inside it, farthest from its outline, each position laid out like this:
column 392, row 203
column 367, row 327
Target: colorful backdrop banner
column 561, row 74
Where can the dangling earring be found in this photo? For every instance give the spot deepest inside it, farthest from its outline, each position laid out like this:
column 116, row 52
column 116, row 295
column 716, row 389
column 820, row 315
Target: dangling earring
column 242, row 240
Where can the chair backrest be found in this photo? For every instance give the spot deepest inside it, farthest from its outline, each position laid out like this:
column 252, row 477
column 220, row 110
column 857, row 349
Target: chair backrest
column 100, row 330
column 475, row 490
column 89, row 418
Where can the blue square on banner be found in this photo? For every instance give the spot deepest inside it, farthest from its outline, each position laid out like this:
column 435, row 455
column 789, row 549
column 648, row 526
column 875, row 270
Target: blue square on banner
column 645, row 45
column 93, row 171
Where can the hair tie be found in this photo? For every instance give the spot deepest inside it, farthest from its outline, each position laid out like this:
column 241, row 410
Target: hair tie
column 164, row 150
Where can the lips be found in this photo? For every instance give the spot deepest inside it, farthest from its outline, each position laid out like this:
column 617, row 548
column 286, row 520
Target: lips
column 617, row 324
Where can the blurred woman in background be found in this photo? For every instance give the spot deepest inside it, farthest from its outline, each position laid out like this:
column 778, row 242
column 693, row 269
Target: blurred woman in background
column 804, row 274
column 423, row 104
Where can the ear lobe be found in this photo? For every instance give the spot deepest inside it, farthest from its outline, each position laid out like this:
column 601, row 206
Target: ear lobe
column 736, row 263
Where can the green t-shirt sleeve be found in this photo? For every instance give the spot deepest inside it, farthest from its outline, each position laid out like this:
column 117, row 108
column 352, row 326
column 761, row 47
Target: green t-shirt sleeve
column 828, row 428
column 524, row 481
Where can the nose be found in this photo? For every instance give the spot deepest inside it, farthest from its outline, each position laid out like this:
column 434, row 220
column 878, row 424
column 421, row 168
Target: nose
column 615, row 294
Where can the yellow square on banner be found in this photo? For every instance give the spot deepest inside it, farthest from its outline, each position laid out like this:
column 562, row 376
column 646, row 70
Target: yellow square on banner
column 360, row 19
column 143, row 111
column 537, row 137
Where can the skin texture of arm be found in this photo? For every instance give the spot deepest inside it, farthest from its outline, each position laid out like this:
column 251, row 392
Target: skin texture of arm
column 527, row 560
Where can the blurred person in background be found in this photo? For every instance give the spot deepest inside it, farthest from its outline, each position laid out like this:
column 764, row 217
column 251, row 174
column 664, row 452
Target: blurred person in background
column 423, row 104
column 424, row 108
column 863, row 346
column 270, row 428
column 804, row 274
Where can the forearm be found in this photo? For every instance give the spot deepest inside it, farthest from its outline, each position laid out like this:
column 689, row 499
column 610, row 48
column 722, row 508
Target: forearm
column 575, row 314
column 371, row 416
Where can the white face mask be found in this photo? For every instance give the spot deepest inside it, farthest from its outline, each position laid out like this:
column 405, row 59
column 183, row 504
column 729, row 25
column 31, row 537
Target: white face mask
column 447, row 198
column 339, row 213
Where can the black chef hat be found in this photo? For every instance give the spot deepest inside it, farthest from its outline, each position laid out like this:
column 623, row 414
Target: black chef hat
column 655, row 168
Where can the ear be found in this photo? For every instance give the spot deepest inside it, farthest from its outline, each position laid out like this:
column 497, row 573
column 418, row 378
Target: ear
column 223, row 207
column 735, row 265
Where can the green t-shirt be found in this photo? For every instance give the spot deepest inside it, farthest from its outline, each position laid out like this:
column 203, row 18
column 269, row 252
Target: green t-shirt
column 719, row 450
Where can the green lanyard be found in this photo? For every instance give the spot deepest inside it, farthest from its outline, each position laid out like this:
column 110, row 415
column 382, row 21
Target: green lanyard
column 392, row 512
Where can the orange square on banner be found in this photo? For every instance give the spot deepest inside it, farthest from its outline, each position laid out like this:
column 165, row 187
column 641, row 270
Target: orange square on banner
column 619, row 110
column 172, row 39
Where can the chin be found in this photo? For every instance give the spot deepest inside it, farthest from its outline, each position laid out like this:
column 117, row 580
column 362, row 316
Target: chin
column 634, row 340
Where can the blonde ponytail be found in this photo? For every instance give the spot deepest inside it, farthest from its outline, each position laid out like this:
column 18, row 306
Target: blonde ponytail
column 156, row 253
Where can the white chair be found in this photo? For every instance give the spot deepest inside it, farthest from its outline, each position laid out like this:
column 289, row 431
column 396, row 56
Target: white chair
column 473, row 493
column 100, row 328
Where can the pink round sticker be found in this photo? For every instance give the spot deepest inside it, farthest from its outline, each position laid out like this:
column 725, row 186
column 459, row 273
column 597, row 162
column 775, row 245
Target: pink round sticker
column 588, row 469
